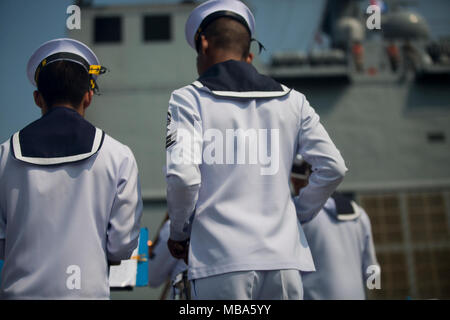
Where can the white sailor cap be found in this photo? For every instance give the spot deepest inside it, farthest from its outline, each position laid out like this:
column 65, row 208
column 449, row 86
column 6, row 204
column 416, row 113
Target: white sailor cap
column 63, row 49
column 210, row 10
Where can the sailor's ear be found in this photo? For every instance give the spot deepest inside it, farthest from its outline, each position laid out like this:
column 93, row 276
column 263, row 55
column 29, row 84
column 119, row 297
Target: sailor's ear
column 249, row 58
column 204, row 45
column 87, row 99
column 38, row 100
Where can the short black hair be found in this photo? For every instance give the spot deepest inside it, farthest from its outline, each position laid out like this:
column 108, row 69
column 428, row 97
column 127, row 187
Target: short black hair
column 228, row 34
column 63, row 82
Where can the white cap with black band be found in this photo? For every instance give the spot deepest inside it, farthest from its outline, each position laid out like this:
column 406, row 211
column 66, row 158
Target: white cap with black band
column 64, row 49
column 210, row 10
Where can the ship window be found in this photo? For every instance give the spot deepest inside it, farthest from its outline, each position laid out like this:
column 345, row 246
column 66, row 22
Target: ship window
column 434, row 137
column 157, row 28
column 108, row 29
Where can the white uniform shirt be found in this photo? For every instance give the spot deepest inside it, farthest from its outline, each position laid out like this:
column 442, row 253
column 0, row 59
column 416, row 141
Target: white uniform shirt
column 244, row 216
column 61, row 223
column 342, row 252
column 161, row 264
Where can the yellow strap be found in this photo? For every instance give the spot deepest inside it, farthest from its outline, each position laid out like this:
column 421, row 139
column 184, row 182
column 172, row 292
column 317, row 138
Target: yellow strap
column 95, row 69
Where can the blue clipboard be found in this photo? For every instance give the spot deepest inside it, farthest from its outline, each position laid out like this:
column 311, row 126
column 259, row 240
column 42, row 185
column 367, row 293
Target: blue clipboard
column 142, row 266
column 1, row 266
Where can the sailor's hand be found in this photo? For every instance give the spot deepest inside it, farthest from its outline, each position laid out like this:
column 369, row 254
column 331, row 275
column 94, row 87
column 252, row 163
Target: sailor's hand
column 113, row 263
column 179, row 249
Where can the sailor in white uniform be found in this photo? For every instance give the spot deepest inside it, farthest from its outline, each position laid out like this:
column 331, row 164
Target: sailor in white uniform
column 341, row 242
column 232, row 138
column 162, row 266
column 69, row 194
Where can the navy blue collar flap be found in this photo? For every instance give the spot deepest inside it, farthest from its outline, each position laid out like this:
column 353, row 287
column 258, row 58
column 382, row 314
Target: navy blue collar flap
column 60, row 136
column 238, row 79
column 346, row 209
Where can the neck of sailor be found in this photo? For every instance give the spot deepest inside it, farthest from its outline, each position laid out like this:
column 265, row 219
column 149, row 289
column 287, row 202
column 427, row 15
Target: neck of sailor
column 81, row 108
column 207, row 56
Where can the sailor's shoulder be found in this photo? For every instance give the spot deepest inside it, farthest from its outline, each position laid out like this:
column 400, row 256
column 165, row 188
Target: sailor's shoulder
column 115, row 148
column 4, row 152
column 189, row 90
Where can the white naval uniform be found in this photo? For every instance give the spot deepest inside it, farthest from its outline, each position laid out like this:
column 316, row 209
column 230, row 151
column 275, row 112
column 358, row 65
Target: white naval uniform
column 342, row 252
column 161, row 264
column 61, row 223
column 244, row 219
